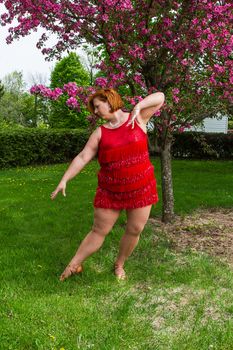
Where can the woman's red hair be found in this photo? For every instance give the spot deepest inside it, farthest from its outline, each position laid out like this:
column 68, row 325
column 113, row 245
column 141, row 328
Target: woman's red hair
column 107, row 95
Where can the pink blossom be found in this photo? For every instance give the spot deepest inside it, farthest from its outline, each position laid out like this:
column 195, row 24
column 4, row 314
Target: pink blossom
column 71, row 89
column 168, row 33
column 42, row 90
column 34, row 90
column 153, row 38
column 219, row 69
column 139, row 79
column 137, row 52
column 112, row 44
column 115, row 56
column 132, row 101
column 195, row 21
column 105, row 18
column 73, row 103
column 144, row 31
column 56, row 93
column 176, row 99
column 184, row 62
column 212, row 80
column 167, row 22
column 102, row 82
column 175, row 91
column 157, row 113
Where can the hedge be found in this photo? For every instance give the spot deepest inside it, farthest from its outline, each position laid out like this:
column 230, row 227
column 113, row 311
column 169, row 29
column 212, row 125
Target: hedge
column 38, row 146
column 199, row 145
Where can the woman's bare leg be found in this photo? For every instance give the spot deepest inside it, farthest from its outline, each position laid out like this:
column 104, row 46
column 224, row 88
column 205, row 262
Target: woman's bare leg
column 136, row 220
column 104, row 220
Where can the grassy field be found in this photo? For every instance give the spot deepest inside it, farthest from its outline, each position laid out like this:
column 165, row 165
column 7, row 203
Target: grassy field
column 169, row 301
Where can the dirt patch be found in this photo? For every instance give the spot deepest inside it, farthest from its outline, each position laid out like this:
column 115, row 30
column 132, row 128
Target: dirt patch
column 209, row 231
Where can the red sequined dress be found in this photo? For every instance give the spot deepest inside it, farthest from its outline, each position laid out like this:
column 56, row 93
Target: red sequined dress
column 126, row 178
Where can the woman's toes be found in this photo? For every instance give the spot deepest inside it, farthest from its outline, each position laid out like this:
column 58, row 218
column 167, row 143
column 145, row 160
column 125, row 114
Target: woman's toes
column 119, row 272
column 66, row 273
column 70, row 271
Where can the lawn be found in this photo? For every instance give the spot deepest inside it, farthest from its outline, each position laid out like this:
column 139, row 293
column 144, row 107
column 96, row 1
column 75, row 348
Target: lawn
column 170, row 300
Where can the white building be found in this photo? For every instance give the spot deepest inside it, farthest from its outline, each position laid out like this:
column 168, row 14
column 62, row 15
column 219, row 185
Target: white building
column 218, row 124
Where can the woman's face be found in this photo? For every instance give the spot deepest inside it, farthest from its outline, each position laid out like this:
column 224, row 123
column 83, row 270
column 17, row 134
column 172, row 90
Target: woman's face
column 101, row 108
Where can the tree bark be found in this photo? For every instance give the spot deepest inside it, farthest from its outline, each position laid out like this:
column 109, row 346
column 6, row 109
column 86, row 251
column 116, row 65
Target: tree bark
column 166, row 177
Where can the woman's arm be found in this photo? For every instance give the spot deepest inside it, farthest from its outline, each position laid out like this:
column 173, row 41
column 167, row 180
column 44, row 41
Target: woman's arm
column 79, row 162
column 84, row 157
column 146, row 108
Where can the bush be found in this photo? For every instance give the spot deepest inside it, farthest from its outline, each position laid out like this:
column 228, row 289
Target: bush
column 197, row 145
column 22, row 147
column 38, row 146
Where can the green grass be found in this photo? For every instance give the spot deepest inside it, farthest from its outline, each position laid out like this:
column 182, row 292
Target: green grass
column 170, row 301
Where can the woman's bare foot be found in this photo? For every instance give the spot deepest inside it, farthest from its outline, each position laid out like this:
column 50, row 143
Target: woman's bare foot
column 119, row 272
column 71, row 270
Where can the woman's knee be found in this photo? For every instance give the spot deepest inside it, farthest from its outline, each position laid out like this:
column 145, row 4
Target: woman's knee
column 104, row 219
column 100, row 230
column 134, row 229
column 137, row 219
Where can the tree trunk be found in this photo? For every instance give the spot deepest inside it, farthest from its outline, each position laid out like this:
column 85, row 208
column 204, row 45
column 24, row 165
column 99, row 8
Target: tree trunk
column 167, row 186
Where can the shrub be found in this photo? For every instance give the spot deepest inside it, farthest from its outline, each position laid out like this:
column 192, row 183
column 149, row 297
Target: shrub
column 22, row 147
column 199, row 145
column 40, row 146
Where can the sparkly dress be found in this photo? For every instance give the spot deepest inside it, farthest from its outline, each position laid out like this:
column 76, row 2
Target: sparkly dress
column 126, row 178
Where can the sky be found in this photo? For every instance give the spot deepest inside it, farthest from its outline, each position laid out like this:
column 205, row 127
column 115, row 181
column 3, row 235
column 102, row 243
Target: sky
column 22, row 55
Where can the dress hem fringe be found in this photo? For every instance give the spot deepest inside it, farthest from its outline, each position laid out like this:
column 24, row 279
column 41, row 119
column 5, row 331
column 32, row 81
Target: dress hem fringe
column 122, row 207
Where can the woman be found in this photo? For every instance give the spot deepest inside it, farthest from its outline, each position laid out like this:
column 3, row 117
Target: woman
column 126, row 178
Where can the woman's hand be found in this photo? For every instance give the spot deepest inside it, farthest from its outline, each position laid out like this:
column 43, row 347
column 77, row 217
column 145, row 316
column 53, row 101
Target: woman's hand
column 134, row 115
column 60, row 188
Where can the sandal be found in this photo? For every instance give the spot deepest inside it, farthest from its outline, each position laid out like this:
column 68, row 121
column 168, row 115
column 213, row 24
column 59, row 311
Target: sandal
column 69, row 271
column 119, row 272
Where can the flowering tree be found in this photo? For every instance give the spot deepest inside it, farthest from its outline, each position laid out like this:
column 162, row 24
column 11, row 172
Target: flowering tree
column 182, row 48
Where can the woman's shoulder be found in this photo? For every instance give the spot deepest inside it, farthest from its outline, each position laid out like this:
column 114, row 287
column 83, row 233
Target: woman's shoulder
column 96, row 134
column 98, row 131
